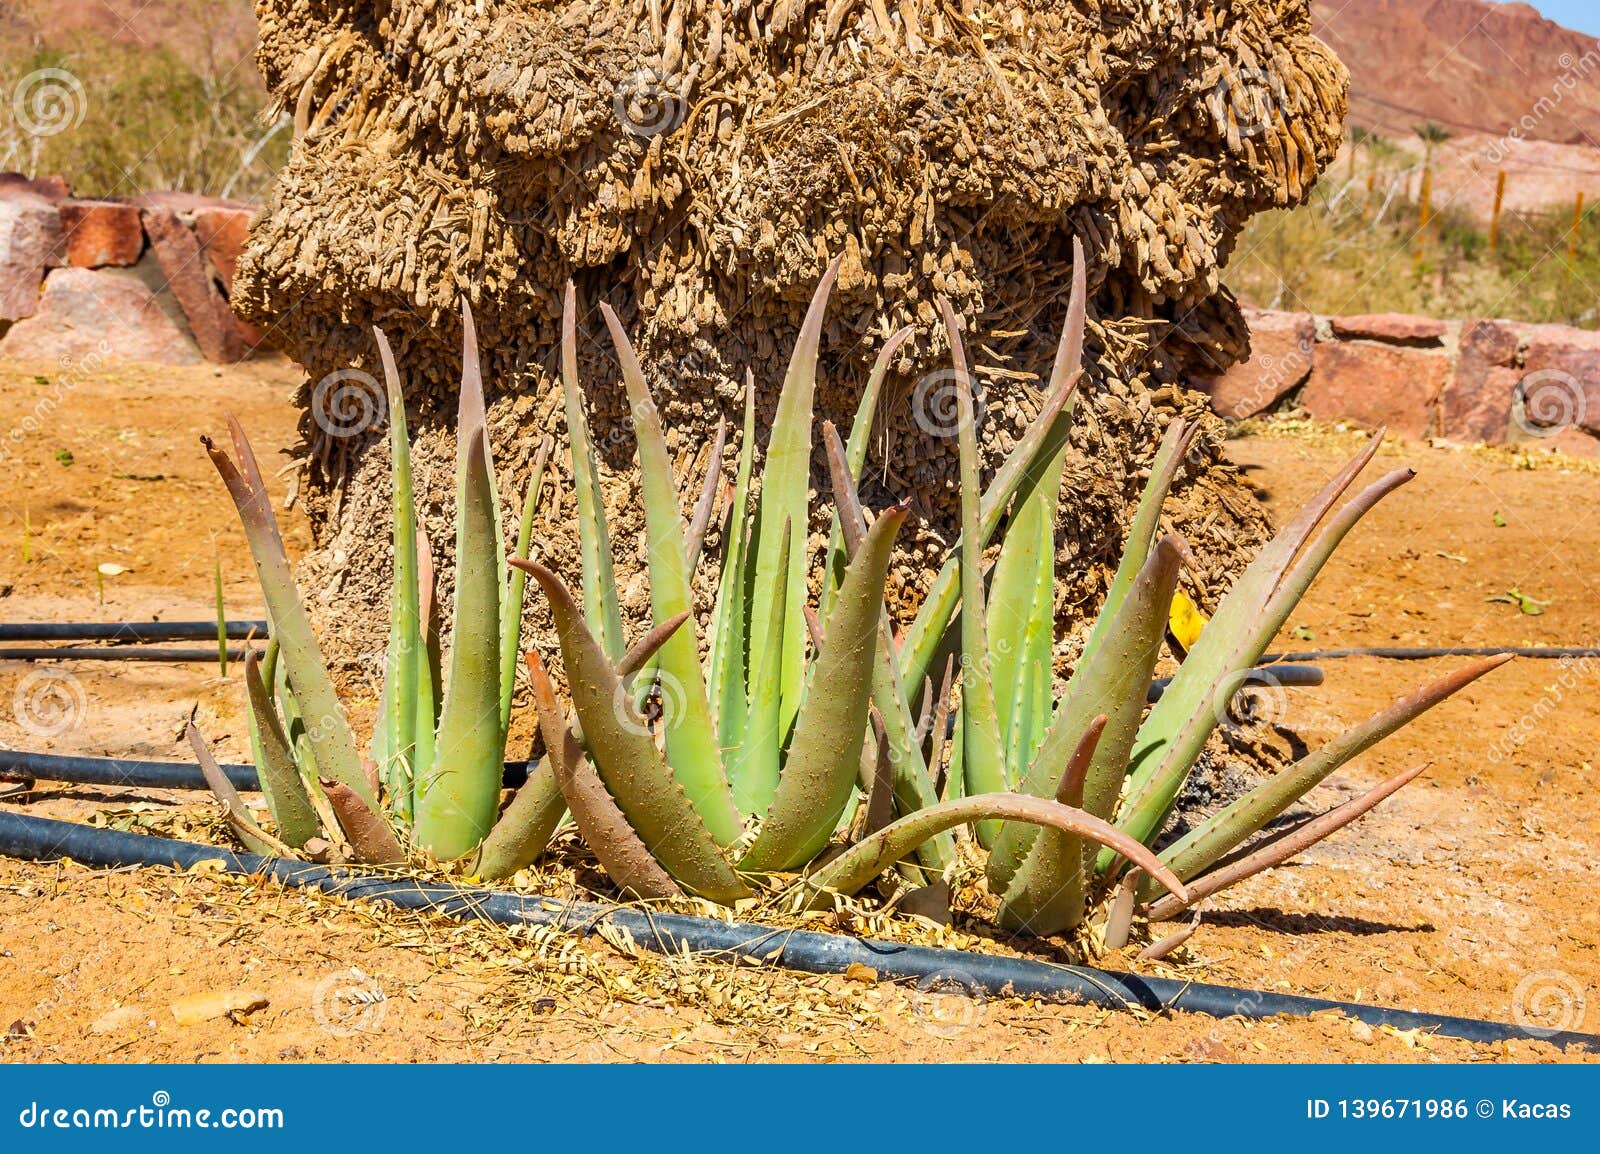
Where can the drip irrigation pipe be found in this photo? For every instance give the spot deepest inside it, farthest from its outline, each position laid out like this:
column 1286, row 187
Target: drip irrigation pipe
column 116, row 653
column 1276, row 675
column 148, row 632
column 142, row 632
column 18, row 766
column 976, row 975
column 1534, row 651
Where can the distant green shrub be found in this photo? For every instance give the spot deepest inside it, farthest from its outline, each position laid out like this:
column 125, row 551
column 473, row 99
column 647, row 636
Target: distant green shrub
column 117, row 119
column 1337, row 256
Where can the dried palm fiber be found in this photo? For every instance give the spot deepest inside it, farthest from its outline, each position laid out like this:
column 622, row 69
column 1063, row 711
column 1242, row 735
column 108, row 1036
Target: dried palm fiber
column 697, row 163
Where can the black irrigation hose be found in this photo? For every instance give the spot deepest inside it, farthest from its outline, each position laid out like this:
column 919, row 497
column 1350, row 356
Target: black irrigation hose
column 43, row 839
column 16, row 765
column 116, row 653
column 1277, row 675
column 1534, row 651
column 147, row 632
column 142, row 632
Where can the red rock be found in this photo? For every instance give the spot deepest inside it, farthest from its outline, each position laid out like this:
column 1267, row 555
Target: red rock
column 86, row 317
column 1391, row 328
column 1560, row 382
column 30, row 245
column 51, row 188
column 1571, row 441
column 1375, row 385
column 177, row 250
column 101, row 233
column 183, row 202
column 1282, row 347
column 1476, row 405
column 223, row 231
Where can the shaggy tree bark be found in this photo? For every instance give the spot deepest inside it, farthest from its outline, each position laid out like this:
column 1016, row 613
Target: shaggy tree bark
column 697, row 163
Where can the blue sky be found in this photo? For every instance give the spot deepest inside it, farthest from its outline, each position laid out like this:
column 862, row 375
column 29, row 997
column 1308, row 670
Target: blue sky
column 1584, row 15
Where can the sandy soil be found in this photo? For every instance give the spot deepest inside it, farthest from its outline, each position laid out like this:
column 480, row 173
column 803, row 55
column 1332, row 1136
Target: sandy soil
column 1469, row 893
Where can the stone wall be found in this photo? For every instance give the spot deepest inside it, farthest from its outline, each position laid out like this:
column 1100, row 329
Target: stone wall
column 1475, row 381
column 143, row 277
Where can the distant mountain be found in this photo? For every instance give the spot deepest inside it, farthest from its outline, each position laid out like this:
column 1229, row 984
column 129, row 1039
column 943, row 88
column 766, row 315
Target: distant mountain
column 223, row 32
column 1469, row 65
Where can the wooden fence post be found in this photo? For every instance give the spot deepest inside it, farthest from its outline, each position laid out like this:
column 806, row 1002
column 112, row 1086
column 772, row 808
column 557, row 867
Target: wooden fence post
column 1499, row 204
column 1577, row 223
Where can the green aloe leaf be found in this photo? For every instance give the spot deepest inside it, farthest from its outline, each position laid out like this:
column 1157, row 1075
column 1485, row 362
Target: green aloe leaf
column 430, row 680
column 281, row 784
column 626, row 757
column 1112, row 682
column 459, row 797
column 855, row 456
column 1020, row 616
column 251, row 469
column 305, row 758
column 820, row 772
column 1297, row 580
column 726, row 662
column 1040, row 647
column 594, row 537
column 371, row 838
column 603, row 825
column 1032, row 459
column 525, row 828
column 1142, row 532
column 1223, row 832
column 983, row 757
column 402, row 682
column 516, row 590
column 1278, row 850
column 1047, row 894
column 782, row 510
column 1252, row 613
column 1218, row 652
column 330, row 738
column 754, row 761
column 692, row 747
column 858, row 865
column 256, row 839
column 913, row 784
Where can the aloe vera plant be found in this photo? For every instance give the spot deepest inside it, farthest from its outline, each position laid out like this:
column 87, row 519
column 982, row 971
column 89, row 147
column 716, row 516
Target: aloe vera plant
column 762, row 745
column 801, row 744
column 1068, row 794
column 431, row 786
